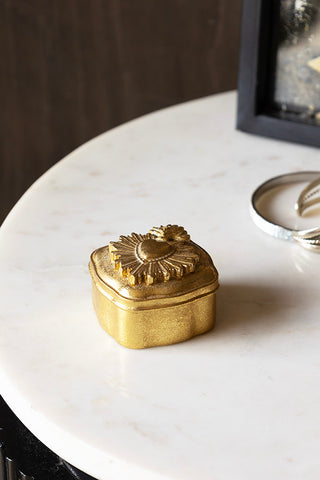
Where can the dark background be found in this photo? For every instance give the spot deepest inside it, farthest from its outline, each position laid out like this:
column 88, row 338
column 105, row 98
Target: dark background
column 71, row 69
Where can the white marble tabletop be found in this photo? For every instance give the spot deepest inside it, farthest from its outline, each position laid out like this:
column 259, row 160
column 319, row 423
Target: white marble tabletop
column 239, row 403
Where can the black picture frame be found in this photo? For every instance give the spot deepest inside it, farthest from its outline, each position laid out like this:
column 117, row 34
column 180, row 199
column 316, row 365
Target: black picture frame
column 257, row 51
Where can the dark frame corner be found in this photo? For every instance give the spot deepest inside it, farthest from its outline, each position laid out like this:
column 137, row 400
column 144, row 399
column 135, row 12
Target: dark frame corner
column 255, row 60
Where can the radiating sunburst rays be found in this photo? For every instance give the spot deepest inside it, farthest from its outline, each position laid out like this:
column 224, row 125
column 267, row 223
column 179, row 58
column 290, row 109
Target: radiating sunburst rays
column 160, row 255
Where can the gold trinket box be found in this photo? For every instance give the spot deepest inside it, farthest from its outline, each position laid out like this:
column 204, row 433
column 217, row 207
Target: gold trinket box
column 154, row 289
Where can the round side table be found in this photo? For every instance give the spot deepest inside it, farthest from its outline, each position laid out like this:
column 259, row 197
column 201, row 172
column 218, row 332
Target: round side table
column 238, row 403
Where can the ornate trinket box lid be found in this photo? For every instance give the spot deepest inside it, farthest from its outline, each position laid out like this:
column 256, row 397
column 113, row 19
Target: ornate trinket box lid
column 156, row 274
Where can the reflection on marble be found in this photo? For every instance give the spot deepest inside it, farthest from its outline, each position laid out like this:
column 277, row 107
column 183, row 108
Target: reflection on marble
column 240, row 402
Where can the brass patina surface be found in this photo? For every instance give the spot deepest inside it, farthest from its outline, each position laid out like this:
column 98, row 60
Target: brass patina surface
column 154, row 289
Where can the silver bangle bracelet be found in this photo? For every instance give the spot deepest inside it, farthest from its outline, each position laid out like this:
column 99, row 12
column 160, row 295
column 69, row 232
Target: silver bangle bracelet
column 309, row 239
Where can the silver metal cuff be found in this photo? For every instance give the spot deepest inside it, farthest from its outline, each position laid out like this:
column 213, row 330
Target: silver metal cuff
column 310, row 238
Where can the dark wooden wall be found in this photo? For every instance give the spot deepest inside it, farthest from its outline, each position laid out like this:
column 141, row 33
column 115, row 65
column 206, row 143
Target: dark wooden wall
column 71, row 69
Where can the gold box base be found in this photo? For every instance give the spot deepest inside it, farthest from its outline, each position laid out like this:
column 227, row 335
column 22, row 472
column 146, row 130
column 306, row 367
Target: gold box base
column 143, row 328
